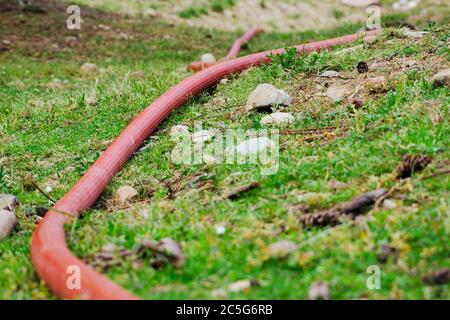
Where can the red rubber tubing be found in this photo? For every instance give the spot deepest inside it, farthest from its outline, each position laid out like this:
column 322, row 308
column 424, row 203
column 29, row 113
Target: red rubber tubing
column 51, row 258
column 233, row 53
column 236, row 47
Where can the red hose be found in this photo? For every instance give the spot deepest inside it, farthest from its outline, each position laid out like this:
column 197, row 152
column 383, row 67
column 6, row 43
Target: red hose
column 233, row 53
column 53, row 261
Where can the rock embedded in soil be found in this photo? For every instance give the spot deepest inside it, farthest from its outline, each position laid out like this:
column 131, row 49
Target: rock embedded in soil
column 90, row 100
column 88, row 68
column 360, row 3
column 282, row 249
column 242, row 285
column 442, row 78
column 8, row 222
column 220, row 230
column 219, row 293
column 319, row 291
column 277, row 118
column 8, row 202
column 208, row 58
column 125, row 194
column 376, row 84
column 266, row 95
column 329, row 74
column 389, row 204
column 336, row 93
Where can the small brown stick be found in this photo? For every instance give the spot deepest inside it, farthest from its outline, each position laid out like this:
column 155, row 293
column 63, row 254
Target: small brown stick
column 338, row 76
column 435, row 174
column 232, row 194
column 333, row 215
column 41, row 191
column 387, row 194
column 309, row 130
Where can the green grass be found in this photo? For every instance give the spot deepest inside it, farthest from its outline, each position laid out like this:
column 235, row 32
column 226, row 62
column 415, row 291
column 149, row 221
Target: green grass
column 50, row 135
column 201, row 9
column 193, row 12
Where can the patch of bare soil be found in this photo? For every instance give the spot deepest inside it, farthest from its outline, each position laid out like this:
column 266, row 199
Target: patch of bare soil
column 43, row 28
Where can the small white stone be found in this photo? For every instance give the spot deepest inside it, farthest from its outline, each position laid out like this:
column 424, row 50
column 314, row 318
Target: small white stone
column 219, row 293
column 319, row 291
column 389, row 204
column 239, row 285
column 267, row 95
column 88, row 68
column 277, row 118
column 360, row 3
column 377, row 80
column 329, row 74
column 282, row 249
column 254, row 145
column 90, row 100
column 220, row 230
column 208, row 58
column 441, row 78
column 8, row 222
column 179, row 130
column 124, row 194
column 48, row 189
column 336, row 93
column 8, row 202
